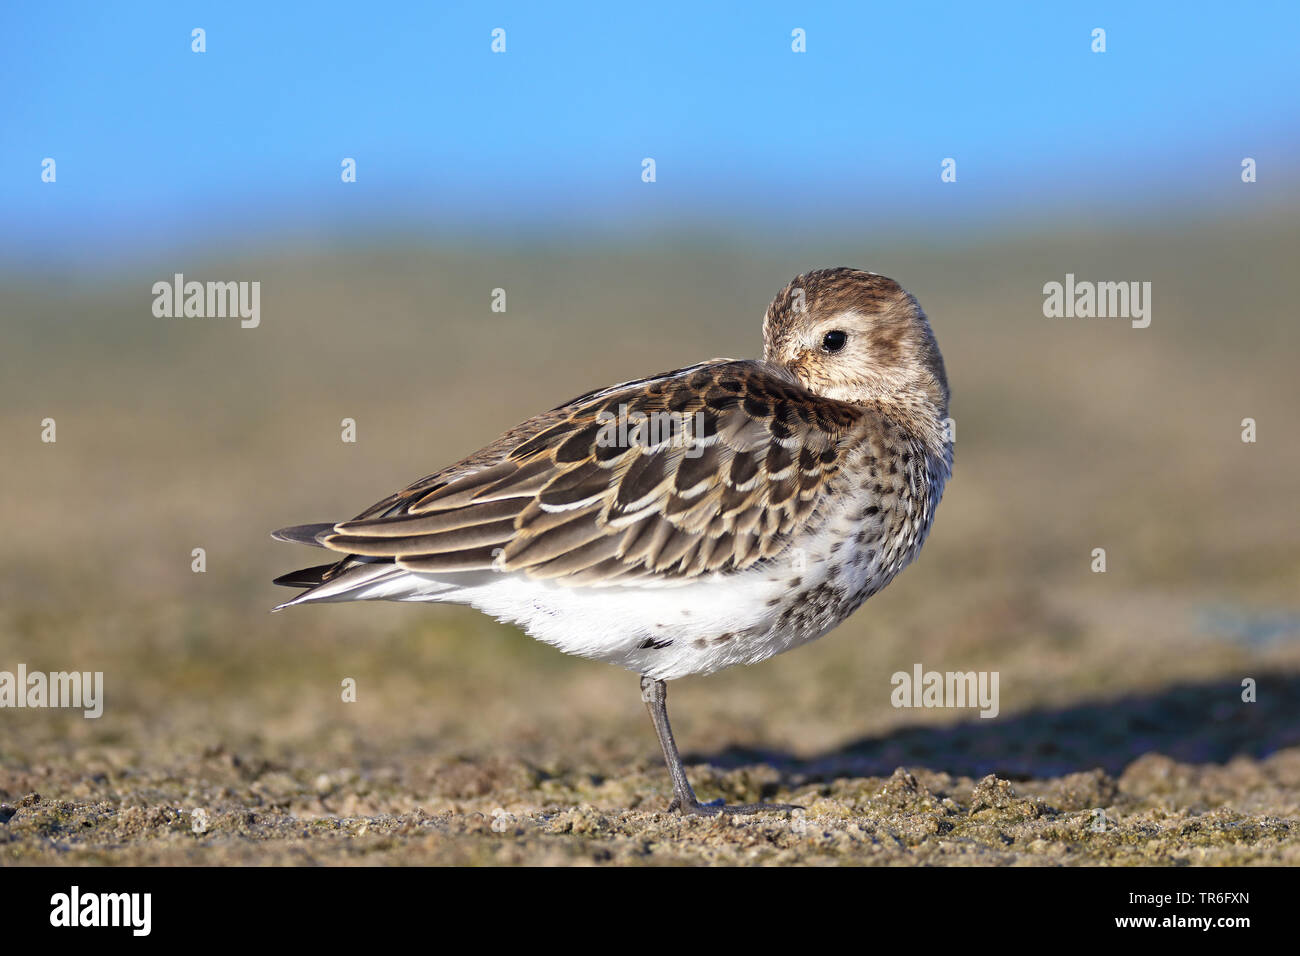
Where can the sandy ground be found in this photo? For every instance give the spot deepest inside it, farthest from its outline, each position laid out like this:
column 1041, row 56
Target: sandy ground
column 216, row 807
column 1122, row 736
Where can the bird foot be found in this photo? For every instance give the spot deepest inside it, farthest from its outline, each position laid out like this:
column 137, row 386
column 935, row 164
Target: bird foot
column 713, row 808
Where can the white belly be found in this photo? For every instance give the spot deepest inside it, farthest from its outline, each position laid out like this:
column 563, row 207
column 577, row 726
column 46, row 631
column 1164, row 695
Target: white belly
column 662, row 631
column 671, row 631
column 667, row 630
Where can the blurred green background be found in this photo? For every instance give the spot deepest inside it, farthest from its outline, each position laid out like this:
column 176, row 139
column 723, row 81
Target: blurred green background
column 1072, row 434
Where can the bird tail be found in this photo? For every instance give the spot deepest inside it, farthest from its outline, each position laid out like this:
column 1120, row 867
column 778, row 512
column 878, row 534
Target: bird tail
column 306, row 577
column 354, row 577
column 310, row 534
column 346, row 581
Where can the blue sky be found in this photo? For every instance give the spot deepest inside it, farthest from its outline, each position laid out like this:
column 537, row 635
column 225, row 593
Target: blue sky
column 156, row 145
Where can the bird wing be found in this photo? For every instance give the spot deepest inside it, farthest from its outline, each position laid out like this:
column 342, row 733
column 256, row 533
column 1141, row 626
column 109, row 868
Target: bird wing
column 705, row 469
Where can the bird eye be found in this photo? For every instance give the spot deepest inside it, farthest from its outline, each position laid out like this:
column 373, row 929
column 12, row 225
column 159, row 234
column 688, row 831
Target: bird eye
column 834, row 341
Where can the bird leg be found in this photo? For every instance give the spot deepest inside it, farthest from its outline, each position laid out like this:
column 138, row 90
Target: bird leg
column 655, row 694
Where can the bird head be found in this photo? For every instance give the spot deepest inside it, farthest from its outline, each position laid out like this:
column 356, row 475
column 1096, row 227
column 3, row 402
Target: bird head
column 855, row 336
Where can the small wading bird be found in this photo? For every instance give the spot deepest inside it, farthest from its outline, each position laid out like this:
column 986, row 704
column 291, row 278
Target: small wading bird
column 775, row 497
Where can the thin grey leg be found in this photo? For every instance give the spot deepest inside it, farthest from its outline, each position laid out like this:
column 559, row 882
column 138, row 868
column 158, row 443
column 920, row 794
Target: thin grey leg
column 655, row 694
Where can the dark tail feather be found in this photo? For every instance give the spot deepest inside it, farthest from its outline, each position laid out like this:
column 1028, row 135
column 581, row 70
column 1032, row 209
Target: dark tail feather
column 304, row 534
column 305, row 578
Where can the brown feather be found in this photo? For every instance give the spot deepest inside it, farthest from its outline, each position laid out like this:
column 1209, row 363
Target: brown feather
column 552, row 498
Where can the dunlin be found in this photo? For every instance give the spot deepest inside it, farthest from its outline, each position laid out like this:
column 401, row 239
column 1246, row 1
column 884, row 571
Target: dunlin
column 678, row 524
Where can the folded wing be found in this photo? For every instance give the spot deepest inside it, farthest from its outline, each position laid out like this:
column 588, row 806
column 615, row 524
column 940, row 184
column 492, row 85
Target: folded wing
column 709, row 469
